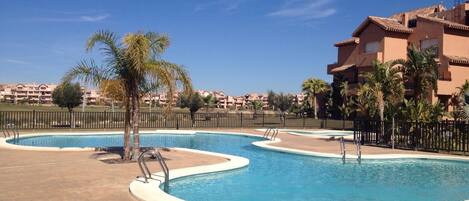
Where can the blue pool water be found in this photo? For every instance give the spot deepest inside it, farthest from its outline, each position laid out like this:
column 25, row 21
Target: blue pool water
column 275, row 176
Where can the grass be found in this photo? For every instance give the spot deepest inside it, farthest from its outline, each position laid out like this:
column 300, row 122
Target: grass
column 53, row 108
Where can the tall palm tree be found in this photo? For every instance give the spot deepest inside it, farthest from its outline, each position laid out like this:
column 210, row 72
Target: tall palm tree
column 135, row 62
column 385, row 83
column 421, row 70
column 312, row 88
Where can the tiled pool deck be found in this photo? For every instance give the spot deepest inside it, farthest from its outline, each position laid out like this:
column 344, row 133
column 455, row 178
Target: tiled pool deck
column 39, row 175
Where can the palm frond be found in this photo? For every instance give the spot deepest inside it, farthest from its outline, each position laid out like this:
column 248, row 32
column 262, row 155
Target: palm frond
column 110, row 46
column 158, row 43
column 87, row 72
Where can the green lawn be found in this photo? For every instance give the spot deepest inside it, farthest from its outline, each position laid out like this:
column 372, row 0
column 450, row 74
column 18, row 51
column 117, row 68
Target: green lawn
column 23, row 107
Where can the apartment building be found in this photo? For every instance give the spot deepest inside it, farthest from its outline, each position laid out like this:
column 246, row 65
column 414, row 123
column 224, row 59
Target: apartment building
column 27, row 93
column 38, row 94
column 387, row 38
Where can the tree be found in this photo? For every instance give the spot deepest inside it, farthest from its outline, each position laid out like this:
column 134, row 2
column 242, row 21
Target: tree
column 67, row 95
column 256, row 105
column 420, row 70
column 312, row 88
column 459, row 102
column 384, row 85
column 271, row 96
column 134, row 62
column 346, row 107
column 209, row 101
column 193, row 101
column 113, row 90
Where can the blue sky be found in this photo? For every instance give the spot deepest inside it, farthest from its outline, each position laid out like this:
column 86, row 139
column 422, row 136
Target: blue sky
column 237, row 46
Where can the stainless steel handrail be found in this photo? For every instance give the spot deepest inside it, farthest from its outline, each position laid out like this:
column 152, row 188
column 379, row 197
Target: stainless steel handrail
column 10, row 130
column 146, row 172
column 359, row 151
column 273, row 131
column 342, row 149
column 267, row 132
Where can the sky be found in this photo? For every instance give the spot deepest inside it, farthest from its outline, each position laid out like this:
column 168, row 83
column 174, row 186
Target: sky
column 237, row 46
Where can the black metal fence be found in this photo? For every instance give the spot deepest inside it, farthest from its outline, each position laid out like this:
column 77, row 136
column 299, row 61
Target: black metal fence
column 451, row 136
column 111, row 120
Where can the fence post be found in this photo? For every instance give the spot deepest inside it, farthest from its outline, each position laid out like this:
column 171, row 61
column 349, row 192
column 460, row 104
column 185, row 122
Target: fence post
column 304, row 121
column 343, row 123
column 177, row 122
column 263, row 118
column 34, row 119
column 284, row 120
column 218, row 119
column 241, row 119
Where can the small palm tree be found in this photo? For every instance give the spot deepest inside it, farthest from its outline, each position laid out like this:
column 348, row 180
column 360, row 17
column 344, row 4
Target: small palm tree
column 312, row 88
column 133, row 62
column 420, row 70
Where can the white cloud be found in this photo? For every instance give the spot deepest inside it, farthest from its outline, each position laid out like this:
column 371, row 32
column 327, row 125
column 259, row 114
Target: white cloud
column 82, row 18
column 305, row 9
column 15, row 61
column 227, row 5
column 95, row 18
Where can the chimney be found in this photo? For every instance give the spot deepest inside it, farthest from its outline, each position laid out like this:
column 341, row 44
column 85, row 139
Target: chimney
column 405, row 19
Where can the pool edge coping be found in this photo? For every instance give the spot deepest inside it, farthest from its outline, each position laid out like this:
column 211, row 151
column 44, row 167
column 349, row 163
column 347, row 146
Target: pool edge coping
column 152, row 192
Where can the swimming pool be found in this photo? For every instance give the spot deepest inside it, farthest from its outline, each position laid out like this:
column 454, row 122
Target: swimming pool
column 280, row 176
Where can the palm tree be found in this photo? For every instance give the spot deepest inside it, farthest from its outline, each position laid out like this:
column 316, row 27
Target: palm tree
column 421, row 70
column 385, row 84
column 345, row 108
column 134, row 62
column 312, row 88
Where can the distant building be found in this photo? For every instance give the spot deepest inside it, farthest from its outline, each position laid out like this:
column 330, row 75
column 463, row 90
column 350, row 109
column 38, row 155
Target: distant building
column 387, row 38
column 38, row 94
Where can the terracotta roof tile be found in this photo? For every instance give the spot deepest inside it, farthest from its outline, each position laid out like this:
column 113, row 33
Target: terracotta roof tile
column 447, row 23
column 458, row 59
column 387, row 24
column 348, row 41
column 420, row 11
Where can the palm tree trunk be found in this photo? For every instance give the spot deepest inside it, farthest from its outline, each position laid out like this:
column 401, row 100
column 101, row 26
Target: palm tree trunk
column 135, row 119
column 127, row 129
column 315, row 105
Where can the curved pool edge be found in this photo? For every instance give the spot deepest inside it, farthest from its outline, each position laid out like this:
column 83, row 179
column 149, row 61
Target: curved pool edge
column 4, row 144
column 151, row 192
column 267, row 145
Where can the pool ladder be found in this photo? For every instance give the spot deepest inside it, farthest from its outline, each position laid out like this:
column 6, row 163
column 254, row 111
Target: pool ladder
column 154, row 153
column 11, row 130
column 272, row 132
column 343, row 150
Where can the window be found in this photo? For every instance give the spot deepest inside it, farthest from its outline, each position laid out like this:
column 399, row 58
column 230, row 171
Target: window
column 430, row 43
column 413, row 23
column 372, row 47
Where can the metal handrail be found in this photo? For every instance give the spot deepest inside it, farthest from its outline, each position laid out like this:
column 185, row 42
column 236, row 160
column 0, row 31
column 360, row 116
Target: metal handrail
column 342, row 149
column 359, row 151
column 146, row 172
column 10, row 130
column 267, row 132
column 273, row 131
